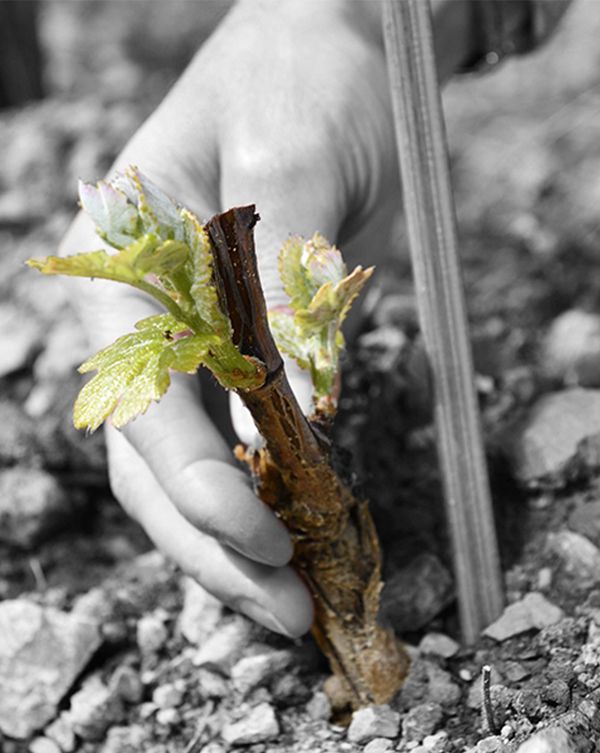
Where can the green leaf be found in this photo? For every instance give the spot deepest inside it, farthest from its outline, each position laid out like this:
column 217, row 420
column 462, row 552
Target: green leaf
column 115, row 218
column 135, row 370
column 163, row 259
column 157, row 212
column 293, row 273
column 321, row 292
column 99, row 264
column 203, row 289
column 288, row 339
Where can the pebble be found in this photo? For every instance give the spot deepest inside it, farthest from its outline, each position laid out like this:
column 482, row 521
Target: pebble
column 225, row 646
column 533, row 611
column 62, row 733
column 32, row 506
column 421, row 721
column 427, row 682
column 42, row 652
column 439, row 644
column 319, row 706
column 414, row 595
column 544, row 578
column 168, row 717
column 373, row 721
column 43, row 745
column 124, row 739
column 585, row 519
column 169, row 695
column 258, row 726
column 152, row 634
column 93, row 709
column 551, row 740
column 18, row 434
column 127, row 684
column 557, row 693
column 20, row 336
column 436, row 743
column 201, row 613
column 378, row 745
column 577, row 553
column 571, row 349
column 549, row 441
column 255, row 671
column 213, row 747
column 492, row 744
column 211, row 684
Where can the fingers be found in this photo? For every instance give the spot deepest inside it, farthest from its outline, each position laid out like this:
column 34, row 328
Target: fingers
column 274, row 597
column 195, row 469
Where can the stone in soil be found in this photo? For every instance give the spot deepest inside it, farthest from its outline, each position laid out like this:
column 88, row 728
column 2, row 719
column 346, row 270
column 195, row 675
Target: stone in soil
column 258, row 726
column 43, row 745
column 414, row 595
column 421, row 721
column 545, row 448
column 319, row 706
column 129, row 739
column 225, row 646
column 211, row 684
column 200, row 614
column 580, row 558
column 533, row 611
column 551, row 740
column 33, row 505
column 491, row 744
column 427, row 682
column 20, row 336
column 62, row 733
column 42, row 652
column 373, row 721
column 255, row 671
column 152, row 633
column 439, row 645
column 94, row 708
column 127, row 684
column 169, row 695
column 585, row 519
column 18, row 434
column 378, row 745
column 571, row 349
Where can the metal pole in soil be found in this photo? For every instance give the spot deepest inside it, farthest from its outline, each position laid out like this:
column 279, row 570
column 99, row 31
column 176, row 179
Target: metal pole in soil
column 430, row 215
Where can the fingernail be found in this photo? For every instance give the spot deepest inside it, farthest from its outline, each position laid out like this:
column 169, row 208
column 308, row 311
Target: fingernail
column 259, row 614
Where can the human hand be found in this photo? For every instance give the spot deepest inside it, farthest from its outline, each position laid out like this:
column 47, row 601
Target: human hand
column 286, row 107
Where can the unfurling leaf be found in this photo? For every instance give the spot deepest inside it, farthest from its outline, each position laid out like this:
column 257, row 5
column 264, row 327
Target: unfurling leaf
column 135, row 370
column 321, row 292
column 116, row 220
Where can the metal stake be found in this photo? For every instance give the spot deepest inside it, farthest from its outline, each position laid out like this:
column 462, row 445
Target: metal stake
column 429, row 207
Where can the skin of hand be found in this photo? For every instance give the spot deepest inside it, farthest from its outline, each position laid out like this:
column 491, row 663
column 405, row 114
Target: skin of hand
column 286, row 106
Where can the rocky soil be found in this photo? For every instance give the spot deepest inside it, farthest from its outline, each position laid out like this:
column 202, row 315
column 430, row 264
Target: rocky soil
column 106, row 648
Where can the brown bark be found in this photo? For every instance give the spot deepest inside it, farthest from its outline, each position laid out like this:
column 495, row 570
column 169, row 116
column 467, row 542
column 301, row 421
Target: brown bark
column 336, row 546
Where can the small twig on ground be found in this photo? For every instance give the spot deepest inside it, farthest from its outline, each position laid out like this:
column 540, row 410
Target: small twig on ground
column 197, row 742
column 488, row 711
